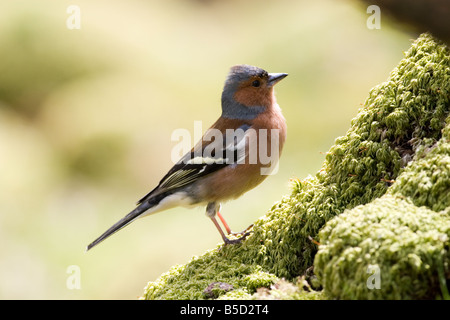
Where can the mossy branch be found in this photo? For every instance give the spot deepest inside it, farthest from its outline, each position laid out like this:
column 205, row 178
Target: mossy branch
column 382, row 197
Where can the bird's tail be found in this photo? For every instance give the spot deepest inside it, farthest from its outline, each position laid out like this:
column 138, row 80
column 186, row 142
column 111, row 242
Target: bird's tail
column 133, row 215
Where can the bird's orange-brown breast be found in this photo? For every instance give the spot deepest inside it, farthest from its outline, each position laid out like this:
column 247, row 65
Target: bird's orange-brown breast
column 233, row 181
column 272, row 119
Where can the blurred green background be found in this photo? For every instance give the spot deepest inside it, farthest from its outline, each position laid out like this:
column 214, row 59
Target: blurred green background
column 86, row 118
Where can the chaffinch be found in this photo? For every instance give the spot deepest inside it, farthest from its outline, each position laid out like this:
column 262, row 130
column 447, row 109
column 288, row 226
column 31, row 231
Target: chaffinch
column 230, row 159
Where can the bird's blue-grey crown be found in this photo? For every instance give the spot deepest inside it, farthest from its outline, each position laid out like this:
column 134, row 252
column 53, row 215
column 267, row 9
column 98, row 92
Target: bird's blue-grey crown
column 231, row 108
column 241, row 73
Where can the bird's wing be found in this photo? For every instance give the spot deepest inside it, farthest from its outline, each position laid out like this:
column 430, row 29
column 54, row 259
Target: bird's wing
column 225, row 149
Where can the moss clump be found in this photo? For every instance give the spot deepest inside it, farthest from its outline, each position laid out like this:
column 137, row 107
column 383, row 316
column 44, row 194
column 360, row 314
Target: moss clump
column 408, row 245
column 427, row 180
column 216, row 266
column 401, row 117
column 404, row 233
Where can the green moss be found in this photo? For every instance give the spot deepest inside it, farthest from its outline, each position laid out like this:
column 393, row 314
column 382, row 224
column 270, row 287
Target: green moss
column 408, row 245
column 427, row 180
column 401, row 117
column 405, row 233
column 239, row 294
column 259, row 279
column 191, row 280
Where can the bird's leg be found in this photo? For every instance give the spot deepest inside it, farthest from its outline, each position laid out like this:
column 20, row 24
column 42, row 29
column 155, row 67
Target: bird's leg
column 211, row 210
column 225, row 224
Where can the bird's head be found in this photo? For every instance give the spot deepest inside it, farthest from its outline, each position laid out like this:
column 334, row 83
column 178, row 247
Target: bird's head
column 248, row 91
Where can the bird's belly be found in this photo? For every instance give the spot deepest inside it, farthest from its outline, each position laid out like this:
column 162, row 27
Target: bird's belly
column 230, row 183
column 174, row 200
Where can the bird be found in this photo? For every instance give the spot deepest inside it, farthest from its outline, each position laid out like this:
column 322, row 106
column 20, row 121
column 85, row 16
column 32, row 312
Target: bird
column 228, row 160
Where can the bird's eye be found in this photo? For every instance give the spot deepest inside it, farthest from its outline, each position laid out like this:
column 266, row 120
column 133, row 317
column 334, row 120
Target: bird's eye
column 256, row 83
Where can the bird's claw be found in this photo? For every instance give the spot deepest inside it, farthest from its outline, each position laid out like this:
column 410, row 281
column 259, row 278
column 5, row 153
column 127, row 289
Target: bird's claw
column 236, row 241
column 243, row 234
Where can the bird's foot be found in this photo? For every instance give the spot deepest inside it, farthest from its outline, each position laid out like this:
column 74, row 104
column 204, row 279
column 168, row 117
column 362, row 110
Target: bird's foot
column 243, row 234
column 236, row 241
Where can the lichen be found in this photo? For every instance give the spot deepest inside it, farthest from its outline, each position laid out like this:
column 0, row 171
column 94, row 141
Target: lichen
column 397, row 132
column 285, row 290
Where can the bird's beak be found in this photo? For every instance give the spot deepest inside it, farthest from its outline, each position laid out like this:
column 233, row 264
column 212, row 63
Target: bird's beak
column 275, row 77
